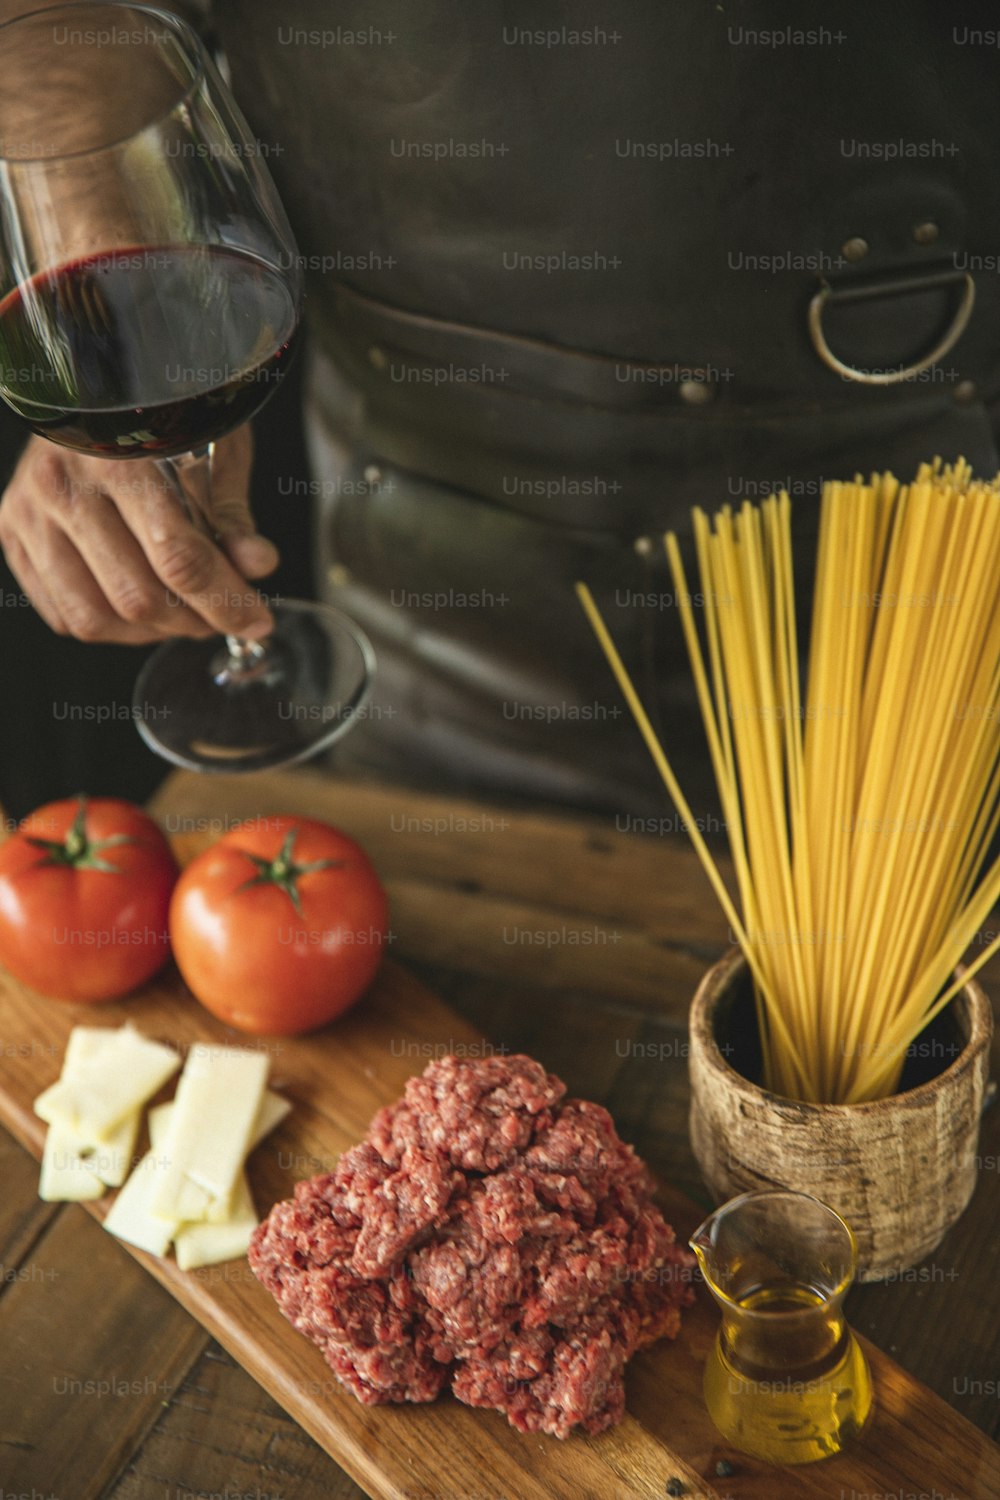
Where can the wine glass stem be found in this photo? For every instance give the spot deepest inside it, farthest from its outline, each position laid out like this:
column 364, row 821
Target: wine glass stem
column 190, row 476
column 245, row 661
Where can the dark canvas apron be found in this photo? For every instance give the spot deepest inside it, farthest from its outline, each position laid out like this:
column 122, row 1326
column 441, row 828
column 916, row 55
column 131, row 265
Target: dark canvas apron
column 560, row 276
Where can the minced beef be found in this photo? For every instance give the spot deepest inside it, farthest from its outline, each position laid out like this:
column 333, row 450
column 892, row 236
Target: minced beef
column 489, row 1235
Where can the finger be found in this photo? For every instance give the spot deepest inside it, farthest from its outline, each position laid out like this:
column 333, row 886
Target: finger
column 121, row 571
column 24, row 571
column 185, row 561
column 85, row 611
column 49, row 488
column 255, row 556
column 231, row 517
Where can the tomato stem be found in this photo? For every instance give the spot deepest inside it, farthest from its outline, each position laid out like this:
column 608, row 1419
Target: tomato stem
column 76, row 839
column 77, row 850
column 283, row 871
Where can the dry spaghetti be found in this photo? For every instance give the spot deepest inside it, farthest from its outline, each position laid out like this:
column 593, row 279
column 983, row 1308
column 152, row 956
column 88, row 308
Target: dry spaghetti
column 861, row 806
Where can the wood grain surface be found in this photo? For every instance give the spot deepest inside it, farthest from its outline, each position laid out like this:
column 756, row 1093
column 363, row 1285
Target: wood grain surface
column 192, row 1401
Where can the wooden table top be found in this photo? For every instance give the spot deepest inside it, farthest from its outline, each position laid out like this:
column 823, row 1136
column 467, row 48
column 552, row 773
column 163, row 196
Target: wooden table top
column 559, row 936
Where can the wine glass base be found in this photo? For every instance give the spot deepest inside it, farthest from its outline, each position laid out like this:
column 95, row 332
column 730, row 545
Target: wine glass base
column 303, row 694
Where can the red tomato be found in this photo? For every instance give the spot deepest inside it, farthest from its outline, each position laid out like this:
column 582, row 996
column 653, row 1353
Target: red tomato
column 280, row 926
column 84, row 892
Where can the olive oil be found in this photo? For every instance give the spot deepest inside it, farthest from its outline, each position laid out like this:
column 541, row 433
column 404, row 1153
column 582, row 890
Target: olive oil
column 786, row 1379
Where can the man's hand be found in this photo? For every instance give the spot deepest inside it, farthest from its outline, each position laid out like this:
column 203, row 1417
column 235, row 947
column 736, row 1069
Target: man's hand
column 105, row 552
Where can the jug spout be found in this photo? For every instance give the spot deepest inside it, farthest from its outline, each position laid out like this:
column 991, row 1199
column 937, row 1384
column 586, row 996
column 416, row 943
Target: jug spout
column 702, row 1242
column 710, row 1245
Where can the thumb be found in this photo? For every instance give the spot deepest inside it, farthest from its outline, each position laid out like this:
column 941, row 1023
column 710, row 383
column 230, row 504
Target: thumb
column 231, row 518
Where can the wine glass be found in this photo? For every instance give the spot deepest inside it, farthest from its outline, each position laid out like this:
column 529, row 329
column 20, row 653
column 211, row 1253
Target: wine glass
column 150, row 298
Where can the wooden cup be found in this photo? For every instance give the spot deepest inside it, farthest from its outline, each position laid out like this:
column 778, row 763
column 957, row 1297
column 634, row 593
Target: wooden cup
column 899, row 1170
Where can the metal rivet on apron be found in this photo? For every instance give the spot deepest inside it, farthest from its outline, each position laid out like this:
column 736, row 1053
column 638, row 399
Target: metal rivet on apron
column 965, row 392
column 926, row 233
column 373, row 474
column 643, row 545
column 696, row 392
column 854, row 249
column 376, row 357
column 338, row 575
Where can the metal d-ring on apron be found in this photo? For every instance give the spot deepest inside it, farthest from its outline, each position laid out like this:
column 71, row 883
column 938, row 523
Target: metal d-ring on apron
column 862, row 292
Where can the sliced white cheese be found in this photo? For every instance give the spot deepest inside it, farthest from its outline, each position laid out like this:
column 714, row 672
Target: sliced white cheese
column 82, row 1046
column 221, row 1111
column 66, row 1178
column 85, row 1042
column 208, row 1244
column 129, row 1217
column 75, row 1163
column 110, row 1159
column 211, row 1125
column 106, row 1083
column 156, row 1120
column 194, row 1202
column 225, row 1235
column 273, row 1109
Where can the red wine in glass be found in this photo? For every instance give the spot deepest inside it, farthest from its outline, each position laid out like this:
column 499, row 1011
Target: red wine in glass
column 146, row 352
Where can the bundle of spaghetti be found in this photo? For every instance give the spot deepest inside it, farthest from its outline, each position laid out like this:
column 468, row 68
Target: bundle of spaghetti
column 860, row 812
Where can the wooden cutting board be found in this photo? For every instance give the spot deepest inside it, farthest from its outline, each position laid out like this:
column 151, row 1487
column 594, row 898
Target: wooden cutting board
column 915, row 1445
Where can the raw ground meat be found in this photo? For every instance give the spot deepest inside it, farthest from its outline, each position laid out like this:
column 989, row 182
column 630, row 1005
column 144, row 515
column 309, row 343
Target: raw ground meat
column 488, row 1235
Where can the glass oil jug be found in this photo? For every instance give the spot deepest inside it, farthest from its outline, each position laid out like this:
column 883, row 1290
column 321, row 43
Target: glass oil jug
column 786, row 1379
